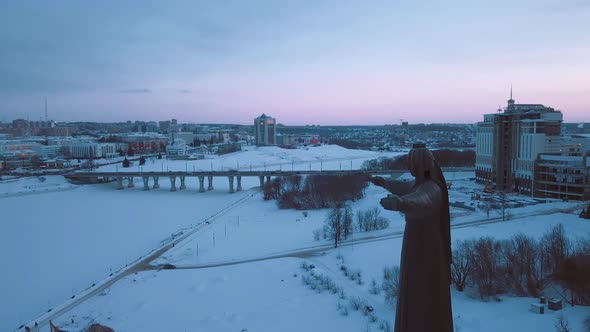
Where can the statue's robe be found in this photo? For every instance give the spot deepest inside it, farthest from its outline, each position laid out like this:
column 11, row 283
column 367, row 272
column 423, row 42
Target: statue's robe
column 424, row 300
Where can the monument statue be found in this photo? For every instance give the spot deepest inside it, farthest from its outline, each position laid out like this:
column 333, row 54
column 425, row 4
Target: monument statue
column 424, row 300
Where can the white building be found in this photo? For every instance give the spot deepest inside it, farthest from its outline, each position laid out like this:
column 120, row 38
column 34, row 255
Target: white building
column 93, row 150
column 177, row 149
column 265, row 130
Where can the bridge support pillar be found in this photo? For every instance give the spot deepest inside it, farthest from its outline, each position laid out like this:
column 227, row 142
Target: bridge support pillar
column 182, row 185
column 268, row 178
column 239, row 179
column 201, row 184
column 210, row 180
column 173, row 183
column 130, row 183
column 156, row 184
column 146, row 183
column 231, row 183
column 261, row 178
column 120, row 183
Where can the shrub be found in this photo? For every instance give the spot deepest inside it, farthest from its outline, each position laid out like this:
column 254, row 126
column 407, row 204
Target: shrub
column 562, row 325
column 374, row 287
column 317, row 234
column 371, row 220
column 344, row 270
column 342, row 309
column 391, row 283
column 356, row 275
column 307, row 267
column 341, row 294
column 357, row 303
column 385, row 326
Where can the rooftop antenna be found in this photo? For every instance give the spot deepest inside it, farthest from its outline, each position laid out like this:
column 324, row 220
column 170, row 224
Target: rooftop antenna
column 510, row 101
column 46, row 109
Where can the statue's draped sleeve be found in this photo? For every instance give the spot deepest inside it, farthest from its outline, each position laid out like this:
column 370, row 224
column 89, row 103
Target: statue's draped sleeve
column 397, row 187
column 424, row 199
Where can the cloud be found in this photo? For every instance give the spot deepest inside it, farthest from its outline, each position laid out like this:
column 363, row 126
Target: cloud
column 185, row 91
column 73, row 47
column 136, row 91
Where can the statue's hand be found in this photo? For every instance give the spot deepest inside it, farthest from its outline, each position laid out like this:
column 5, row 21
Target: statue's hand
column 391, row 202
column 378, row 181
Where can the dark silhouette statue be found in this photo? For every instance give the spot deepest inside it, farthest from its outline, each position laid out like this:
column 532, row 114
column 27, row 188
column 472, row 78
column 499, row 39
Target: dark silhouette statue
column 424, row 300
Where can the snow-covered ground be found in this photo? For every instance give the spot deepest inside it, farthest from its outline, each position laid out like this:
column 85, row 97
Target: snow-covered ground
column 269, row 295
column 33, row 185
column 56, row 245
column 326, row 157
column 261, row 296
column 57, row 239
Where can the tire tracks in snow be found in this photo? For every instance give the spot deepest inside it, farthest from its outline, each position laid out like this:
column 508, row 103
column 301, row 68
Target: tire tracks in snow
column 310, row 251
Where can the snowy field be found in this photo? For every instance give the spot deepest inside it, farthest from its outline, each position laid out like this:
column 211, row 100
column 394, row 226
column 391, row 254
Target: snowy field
column 57, row 239
column 269, row 295
column 33, row 185
column 326, row 157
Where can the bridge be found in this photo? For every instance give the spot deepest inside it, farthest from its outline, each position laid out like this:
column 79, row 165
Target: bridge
column 263, row 176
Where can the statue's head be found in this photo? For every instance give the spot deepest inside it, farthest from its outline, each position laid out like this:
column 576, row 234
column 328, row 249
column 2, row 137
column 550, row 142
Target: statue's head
column 421, row 161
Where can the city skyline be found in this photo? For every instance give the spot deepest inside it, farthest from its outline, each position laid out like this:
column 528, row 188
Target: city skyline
column 328, row 63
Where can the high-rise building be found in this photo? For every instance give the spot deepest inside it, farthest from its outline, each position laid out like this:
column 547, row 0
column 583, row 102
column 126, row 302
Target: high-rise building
column 508, row 143
column 265, row 130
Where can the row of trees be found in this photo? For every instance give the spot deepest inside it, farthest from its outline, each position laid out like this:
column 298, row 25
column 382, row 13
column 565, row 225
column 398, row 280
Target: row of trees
column 445, row 158
column 315, row 191
column 524, row 266
column 339, row 223
column 350, row 144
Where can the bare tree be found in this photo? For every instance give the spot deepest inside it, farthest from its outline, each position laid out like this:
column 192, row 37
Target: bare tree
column 347, row 216
column 485, row 259
column 461, row 267
column 524, row 265
column 555, row 247
column 574, row 275
column 333, row 224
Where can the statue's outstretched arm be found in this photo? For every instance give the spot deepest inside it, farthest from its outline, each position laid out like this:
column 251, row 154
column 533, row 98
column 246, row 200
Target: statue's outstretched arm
column 427, row 197
column 395, row 187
